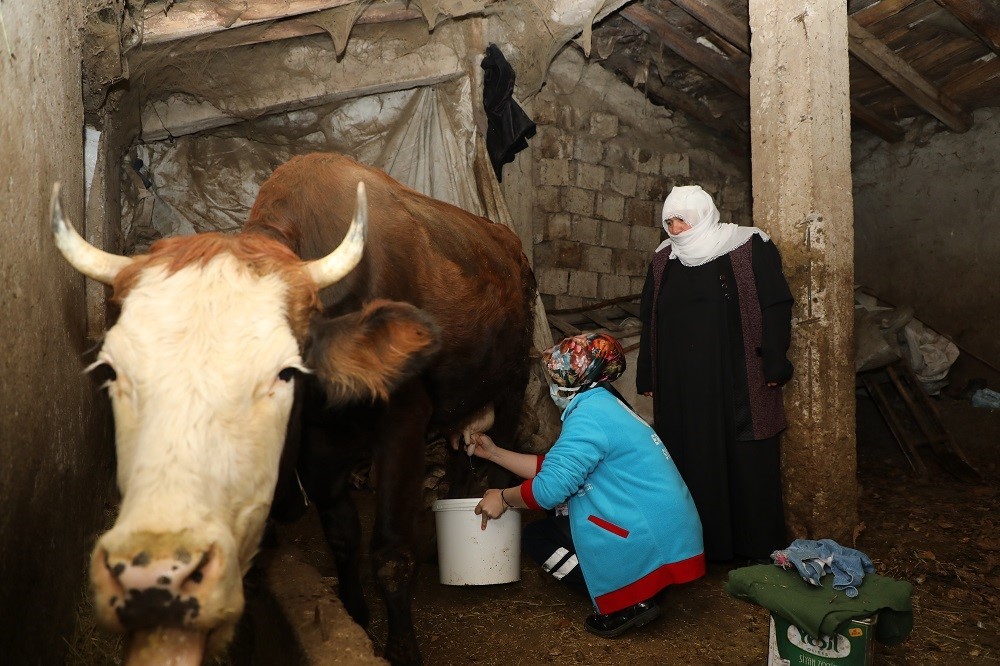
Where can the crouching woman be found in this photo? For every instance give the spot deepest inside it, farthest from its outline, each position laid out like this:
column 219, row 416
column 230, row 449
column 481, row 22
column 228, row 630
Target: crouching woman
column 632, row 528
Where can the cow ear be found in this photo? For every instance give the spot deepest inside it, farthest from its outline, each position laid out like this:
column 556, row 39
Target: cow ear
column 365, row 355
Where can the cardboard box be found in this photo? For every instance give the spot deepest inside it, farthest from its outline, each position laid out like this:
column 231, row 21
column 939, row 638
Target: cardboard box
column 791, row 646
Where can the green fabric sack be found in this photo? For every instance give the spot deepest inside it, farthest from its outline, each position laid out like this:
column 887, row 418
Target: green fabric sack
column 820, row 611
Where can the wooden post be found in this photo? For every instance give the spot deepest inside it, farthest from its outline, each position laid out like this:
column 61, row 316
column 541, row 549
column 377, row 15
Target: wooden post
column 801, row 151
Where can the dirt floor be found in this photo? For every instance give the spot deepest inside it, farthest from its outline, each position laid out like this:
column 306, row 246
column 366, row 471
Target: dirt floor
column 939, row 533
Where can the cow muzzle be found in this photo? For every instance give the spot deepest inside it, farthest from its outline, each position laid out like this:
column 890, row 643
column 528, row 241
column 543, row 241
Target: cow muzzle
column 170, row 598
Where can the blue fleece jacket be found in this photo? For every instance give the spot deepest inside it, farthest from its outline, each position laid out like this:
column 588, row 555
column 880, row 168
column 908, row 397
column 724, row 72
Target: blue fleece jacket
column 634, row 524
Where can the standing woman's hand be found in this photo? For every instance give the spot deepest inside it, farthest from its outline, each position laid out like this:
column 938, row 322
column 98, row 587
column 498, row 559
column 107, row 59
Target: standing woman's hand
column 492, row 506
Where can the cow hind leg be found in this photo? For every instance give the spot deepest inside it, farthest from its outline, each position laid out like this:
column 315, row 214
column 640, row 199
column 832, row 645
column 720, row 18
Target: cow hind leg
column 399, row 470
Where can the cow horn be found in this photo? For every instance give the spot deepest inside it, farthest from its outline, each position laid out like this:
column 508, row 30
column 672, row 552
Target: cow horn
column 342, row 261
column 84, row 257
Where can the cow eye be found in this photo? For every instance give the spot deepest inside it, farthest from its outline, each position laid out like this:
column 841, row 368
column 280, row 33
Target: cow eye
column 103, row 373
column 287, row 374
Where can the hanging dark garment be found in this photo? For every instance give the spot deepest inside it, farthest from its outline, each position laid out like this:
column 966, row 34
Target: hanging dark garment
column 508, row 126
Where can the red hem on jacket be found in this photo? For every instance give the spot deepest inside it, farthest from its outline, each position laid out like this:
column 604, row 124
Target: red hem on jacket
column 528, row 496
column 684, row 571
column 538, row 463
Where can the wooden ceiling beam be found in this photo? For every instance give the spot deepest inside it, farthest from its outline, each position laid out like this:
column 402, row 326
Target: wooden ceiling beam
column 675, row 99
column 715, row 17
column 203, row 17
column 978, row 16
column 870, row 50
column 881, row 10
column 297, row 27
column 734, row 74
column 886, row 130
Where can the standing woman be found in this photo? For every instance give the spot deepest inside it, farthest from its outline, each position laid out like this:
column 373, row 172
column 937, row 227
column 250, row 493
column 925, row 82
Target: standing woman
column 716, row 325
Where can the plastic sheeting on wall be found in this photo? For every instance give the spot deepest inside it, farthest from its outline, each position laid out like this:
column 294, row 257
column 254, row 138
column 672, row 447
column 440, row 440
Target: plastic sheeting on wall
column 423, row 137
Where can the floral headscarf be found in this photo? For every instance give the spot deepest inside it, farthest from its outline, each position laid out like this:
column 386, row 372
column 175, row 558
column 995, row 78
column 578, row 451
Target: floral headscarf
column 584, row 359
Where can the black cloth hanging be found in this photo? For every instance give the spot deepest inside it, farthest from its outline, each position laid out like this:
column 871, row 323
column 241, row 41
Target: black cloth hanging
column 508, row 127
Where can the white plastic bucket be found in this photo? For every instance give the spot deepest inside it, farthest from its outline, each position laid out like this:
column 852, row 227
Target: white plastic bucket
column 469, row 555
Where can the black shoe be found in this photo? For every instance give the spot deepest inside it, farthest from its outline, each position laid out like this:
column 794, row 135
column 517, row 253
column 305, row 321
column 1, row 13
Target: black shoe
column 617, row 623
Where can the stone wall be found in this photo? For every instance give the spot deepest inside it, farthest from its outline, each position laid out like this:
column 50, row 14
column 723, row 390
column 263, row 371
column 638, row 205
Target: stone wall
column 56, row 466
column 925, row 215
column 604, row 158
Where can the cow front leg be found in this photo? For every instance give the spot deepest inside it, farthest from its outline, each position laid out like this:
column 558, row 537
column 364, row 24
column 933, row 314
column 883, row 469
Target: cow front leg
column 325, row 472
column 399, row 473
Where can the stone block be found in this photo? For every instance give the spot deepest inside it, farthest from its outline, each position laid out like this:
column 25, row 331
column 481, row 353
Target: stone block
column 554, row 143
column 596, row 259
column 675, row 164
column 578, row 201
column 547, row 199
column 557, row 226
column 544, row 111
column 653, row 188
column 632, row 263
column 613, row 286
column 603, row 126
column 637, row 283
column 553, row 172
column 559, row 254
column 588, row 150
column 645, row 160
column 614, row 235
column 552, row 280
column 582, row 283
column 622, row 181
column 645, row 238
column 642, row 213
column 586, row 230
column 617, row 155
column 590, row 176
column 610, row 206
column 564, row 302
column 572, row 118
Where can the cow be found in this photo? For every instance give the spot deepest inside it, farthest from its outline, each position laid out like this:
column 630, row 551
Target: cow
column 291, row 349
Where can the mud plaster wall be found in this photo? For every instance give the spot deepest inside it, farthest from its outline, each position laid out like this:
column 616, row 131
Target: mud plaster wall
column 55, row 468
column 926, row 232
column 603, row 160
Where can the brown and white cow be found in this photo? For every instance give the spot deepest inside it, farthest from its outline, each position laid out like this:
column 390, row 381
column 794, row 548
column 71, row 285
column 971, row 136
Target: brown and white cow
column 427, row 329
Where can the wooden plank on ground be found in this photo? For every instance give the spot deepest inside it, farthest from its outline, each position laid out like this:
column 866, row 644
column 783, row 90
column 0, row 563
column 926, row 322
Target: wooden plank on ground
column 562, row 325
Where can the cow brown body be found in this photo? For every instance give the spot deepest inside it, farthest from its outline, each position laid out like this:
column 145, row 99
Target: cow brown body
column 470, row 278
column 297, row 345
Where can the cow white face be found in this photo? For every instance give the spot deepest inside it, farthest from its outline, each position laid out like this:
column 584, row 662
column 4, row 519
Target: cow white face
column 203, row 361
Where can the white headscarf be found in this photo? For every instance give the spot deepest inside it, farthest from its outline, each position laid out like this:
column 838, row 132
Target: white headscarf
column 707, row 239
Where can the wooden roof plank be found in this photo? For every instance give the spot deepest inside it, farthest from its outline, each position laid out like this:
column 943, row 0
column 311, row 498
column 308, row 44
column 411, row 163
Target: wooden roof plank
column 717, row 19
column 867, row 48
column 880, row 11
column 734, row 74
column 980, row 17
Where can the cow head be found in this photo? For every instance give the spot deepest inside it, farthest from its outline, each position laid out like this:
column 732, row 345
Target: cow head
column 202, row 360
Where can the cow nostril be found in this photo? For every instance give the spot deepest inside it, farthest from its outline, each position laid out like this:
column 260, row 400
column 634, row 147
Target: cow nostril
column 206, row 563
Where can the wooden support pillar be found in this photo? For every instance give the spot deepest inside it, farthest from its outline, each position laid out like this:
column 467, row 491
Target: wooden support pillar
column 800, row 122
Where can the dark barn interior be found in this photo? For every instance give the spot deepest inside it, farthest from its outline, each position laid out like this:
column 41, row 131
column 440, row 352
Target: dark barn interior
column 862, row 136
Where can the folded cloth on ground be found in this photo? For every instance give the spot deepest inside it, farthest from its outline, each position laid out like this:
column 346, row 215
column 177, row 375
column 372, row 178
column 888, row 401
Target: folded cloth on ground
column 814, row 559
column 820, row 611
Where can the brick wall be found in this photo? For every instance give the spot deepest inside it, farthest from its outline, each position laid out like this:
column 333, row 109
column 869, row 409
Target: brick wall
column 599, row 187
